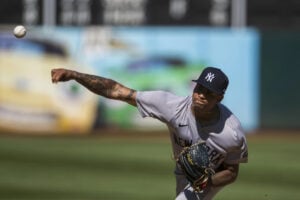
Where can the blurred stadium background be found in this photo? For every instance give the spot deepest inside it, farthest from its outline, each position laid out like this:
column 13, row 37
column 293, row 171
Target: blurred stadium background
column 63, row 142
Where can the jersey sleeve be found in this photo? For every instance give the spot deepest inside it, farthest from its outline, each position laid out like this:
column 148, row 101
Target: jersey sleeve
column 239, row 154
column 157, row 104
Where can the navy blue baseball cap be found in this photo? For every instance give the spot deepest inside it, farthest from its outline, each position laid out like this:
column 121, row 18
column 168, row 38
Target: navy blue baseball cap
column 213, row 79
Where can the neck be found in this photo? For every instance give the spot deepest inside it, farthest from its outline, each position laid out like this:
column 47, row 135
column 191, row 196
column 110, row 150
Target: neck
column 207, row 117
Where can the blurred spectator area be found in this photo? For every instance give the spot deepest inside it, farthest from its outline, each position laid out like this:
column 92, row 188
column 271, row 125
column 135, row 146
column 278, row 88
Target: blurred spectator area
column 274, row 14
column 262, row 14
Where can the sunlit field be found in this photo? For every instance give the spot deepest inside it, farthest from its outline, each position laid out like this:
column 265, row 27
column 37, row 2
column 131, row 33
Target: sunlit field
column 133, row 167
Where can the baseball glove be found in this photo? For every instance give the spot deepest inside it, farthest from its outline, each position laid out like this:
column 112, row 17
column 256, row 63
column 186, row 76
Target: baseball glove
column 194, row 162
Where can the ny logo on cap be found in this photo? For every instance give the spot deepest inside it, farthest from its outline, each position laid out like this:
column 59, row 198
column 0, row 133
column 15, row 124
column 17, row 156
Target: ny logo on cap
column 209, row 77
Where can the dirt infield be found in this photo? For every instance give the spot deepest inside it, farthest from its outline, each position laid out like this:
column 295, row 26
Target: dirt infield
column 135, row 134
column 275, row 135
column 164, row 134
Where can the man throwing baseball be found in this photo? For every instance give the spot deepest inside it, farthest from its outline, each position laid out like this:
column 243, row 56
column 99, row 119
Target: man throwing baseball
column 198, row 117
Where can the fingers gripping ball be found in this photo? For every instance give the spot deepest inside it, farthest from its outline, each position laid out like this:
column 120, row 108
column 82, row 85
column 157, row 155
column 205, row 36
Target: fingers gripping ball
column 194, row 162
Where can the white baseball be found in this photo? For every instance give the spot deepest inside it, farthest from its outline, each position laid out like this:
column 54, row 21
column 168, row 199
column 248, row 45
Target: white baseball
column 20, row 31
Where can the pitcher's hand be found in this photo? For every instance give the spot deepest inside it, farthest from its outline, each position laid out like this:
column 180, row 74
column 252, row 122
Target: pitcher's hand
column 61, row 75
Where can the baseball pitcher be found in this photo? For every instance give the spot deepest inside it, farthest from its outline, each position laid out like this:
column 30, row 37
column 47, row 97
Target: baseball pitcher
column 207, row 138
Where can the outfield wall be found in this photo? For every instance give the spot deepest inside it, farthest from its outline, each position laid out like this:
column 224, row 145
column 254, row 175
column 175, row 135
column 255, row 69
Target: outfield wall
column 280, row 70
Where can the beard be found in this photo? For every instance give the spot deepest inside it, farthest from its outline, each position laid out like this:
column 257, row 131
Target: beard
column 200, row 108
column 203, row 108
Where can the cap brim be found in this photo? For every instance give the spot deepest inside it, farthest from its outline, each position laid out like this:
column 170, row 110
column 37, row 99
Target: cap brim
column 208, row 87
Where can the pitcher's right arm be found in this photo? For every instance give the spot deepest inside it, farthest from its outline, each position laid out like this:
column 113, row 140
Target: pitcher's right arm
column 99, row 85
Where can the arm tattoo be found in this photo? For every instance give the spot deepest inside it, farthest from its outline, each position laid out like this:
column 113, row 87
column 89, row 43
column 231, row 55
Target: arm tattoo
column 130, row 95
column 96, row 84
column 105, row 87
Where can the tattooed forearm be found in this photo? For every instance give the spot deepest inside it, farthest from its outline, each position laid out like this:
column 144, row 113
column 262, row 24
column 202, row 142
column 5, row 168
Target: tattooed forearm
column 106, row 87
column 96, row 84
column 129, row 96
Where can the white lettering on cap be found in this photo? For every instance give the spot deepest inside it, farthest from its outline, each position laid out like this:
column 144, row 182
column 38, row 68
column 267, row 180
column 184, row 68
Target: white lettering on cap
column 209, row 77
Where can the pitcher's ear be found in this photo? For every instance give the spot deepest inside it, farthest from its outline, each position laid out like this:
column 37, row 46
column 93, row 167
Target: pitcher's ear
column 220, row 98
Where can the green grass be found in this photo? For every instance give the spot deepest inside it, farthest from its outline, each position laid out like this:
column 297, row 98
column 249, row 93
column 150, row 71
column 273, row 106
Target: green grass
column 272, row 172
column 87, row 168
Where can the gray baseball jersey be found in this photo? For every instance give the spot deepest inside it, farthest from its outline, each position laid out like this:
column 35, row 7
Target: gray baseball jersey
column 225, row 138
